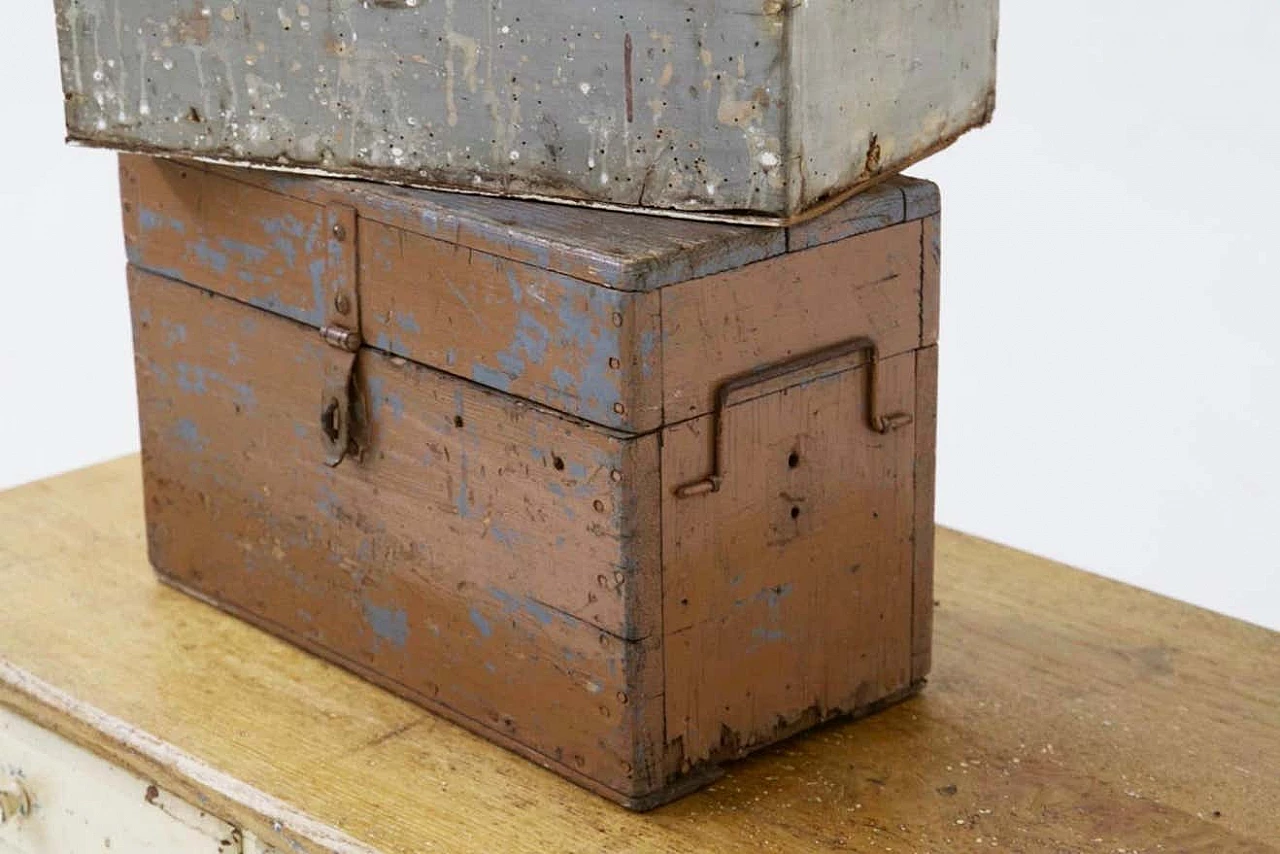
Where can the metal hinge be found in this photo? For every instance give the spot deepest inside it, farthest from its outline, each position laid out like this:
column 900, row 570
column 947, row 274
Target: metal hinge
column 341, row 331
column 875, row 420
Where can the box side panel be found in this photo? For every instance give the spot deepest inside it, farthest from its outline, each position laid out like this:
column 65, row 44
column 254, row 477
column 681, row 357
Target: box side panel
column 511, row 326
column 726, row 325
column 926, row 427
column 787, row 593
column 458, row 561
column 670, row 105
column 876, row 86
column 587, row 350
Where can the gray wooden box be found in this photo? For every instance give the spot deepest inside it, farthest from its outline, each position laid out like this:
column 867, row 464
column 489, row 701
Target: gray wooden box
column 754, row 109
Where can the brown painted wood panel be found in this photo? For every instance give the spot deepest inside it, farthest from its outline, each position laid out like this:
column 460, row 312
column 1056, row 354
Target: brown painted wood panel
column 574, row 346
column 227, row 236
column 787, row 594
column 930, row 279
column 720, row 327
column 483, row 556
column 926, row 429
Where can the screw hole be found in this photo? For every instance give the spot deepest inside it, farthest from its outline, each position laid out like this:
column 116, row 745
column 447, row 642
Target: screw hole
column 793, row 460
column 458, row 422
column 558, row 463
column 795, row 512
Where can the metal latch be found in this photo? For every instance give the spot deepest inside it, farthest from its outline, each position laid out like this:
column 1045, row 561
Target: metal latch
column 341, row 331
column 875, row 420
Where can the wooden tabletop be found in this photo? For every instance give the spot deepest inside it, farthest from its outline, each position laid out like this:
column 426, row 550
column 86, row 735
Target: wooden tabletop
column 1066, row 713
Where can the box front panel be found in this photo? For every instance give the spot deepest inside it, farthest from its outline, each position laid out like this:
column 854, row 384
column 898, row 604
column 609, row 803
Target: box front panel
column 481, row 557
column 787, row 593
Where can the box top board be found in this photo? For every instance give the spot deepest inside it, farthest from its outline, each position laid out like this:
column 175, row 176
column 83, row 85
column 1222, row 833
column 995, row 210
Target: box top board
column 620, row 250
column 605, row 316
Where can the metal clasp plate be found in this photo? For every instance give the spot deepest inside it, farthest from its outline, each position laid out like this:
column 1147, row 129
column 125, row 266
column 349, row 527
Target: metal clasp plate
column 341, row 331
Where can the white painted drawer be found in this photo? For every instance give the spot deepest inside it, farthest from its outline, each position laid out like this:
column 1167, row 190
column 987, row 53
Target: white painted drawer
column 80, row 803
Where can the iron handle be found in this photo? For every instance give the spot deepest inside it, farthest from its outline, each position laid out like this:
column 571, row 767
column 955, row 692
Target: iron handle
column 876, row 421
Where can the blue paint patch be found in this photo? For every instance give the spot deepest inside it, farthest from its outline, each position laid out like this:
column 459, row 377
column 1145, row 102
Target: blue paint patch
column 768, row 635
column 481, row 623
column 149, row 220
column 451, row 357
column 247, row 252
column 328, row 504
column 191, row 378
column 488, row 376
column 318, row 296
column 246, row 277
column 463, row 499
column 586, row 324
column 286, row 247
column 175, row 333
column 564, row 382
column 517, row 292
column 408, row 323
column 389, row 624
column 513, row 604
column 210, row 257
column 287, row 224
column 302, row 431
column 244, row 395
column 490, row 666
column 773, row 596
column 532, row 337
column 383, row 342
column 177, row 225
column 648, row 343
column 505, row 536
column 144, row 315
column 381, row 397
column 188, row 432
column 512, row 364
column 233, row 353
column 578, row 471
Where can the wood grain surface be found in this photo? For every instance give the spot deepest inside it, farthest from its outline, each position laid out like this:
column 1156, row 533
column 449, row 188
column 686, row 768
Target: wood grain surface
column 787, row 594
column 1065, row 713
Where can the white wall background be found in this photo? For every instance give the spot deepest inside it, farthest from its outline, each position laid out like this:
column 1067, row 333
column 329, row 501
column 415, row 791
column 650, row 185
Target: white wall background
column 1111, row 292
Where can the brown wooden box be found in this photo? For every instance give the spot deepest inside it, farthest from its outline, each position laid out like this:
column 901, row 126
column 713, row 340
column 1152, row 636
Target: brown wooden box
column 630, row 496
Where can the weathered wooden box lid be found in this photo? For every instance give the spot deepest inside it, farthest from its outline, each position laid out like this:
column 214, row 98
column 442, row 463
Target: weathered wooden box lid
column 759, row 109
column 608, row 316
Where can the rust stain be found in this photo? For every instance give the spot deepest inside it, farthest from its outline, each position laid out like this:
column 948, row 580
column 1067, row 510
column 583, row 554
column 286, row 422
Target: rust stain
column 626, row 73
column 193, row 26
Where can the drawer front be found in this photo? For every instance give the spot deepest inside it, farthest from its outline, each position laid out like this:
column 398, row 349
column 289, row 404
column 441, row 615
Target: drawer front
column 80, row 803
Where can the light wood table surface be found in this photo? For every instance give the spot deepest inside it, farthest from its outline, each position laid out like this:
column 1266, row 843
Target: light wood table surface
column 1066, row 713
